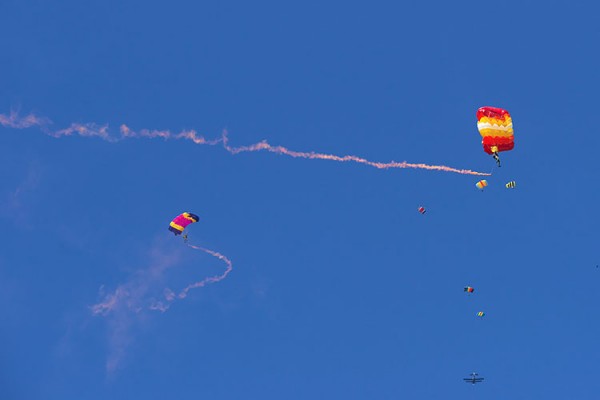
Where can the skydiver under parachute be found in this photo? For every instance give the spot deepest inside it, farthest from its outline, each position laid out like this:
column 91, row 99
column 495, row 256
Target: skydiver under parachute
column 496, row 129
column 180, row 222
column 130, row 295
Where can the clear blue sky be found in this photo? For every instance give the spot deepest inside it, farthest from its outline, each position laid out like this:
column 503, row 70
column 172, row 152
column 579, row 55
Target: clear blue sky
column 340, row 288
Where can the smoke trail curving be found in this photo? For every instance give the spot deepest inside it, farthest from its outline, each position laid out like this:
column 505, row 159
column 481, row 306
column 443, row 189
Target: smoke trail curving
column 170, row 296
column 125, row 307
column 133, row 296
column 13, row 120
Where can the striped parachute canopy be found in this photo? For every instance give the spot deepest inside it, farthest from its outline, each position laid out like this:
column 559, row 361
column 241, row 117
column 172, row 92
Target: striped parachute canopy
column 481, row 314
column 180, row 222
column 511, row 185
column 496, row 129
column 481, row 184
column 469, row 289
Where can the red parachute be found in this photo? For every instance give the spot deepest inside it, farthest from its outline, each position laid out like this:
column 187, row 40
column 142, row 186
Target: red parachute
column 496, row 129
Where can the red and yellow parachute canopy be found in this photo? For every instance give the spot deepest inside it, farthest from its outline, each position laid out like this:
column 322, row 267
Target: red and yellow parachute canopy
column 181, row 221
column 496, row 129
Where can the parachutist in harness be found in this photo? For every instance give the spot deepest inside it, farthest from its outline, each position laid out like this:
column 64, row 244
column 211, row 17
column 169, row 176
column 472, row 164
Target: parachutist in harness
column 185, row 238
column 495, row 155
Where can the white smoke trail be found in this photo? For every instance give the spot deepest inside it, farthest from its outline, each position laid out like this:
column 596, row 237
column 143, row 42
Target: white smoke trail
column 12, row 120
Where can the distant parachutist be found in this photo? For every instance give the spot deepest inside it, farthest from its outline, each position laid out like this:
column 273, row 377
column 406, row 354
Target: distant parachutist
column 481, row 184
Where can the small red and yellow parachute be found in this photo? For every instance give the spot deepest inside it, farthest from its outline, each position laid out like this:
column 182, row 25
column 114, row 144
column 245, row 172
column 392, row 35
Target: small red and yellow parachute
column 481, row 184
column 180, row 222
column 496, row 129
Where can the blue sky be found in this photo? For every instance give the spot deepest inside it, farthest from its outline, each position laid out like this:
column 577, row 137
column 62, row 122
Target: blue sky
column 340, row 288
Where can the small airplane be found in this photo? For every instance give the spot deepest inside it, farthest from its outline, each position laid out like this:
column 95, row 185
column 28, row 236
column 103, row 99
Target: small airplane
column 473, row 379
